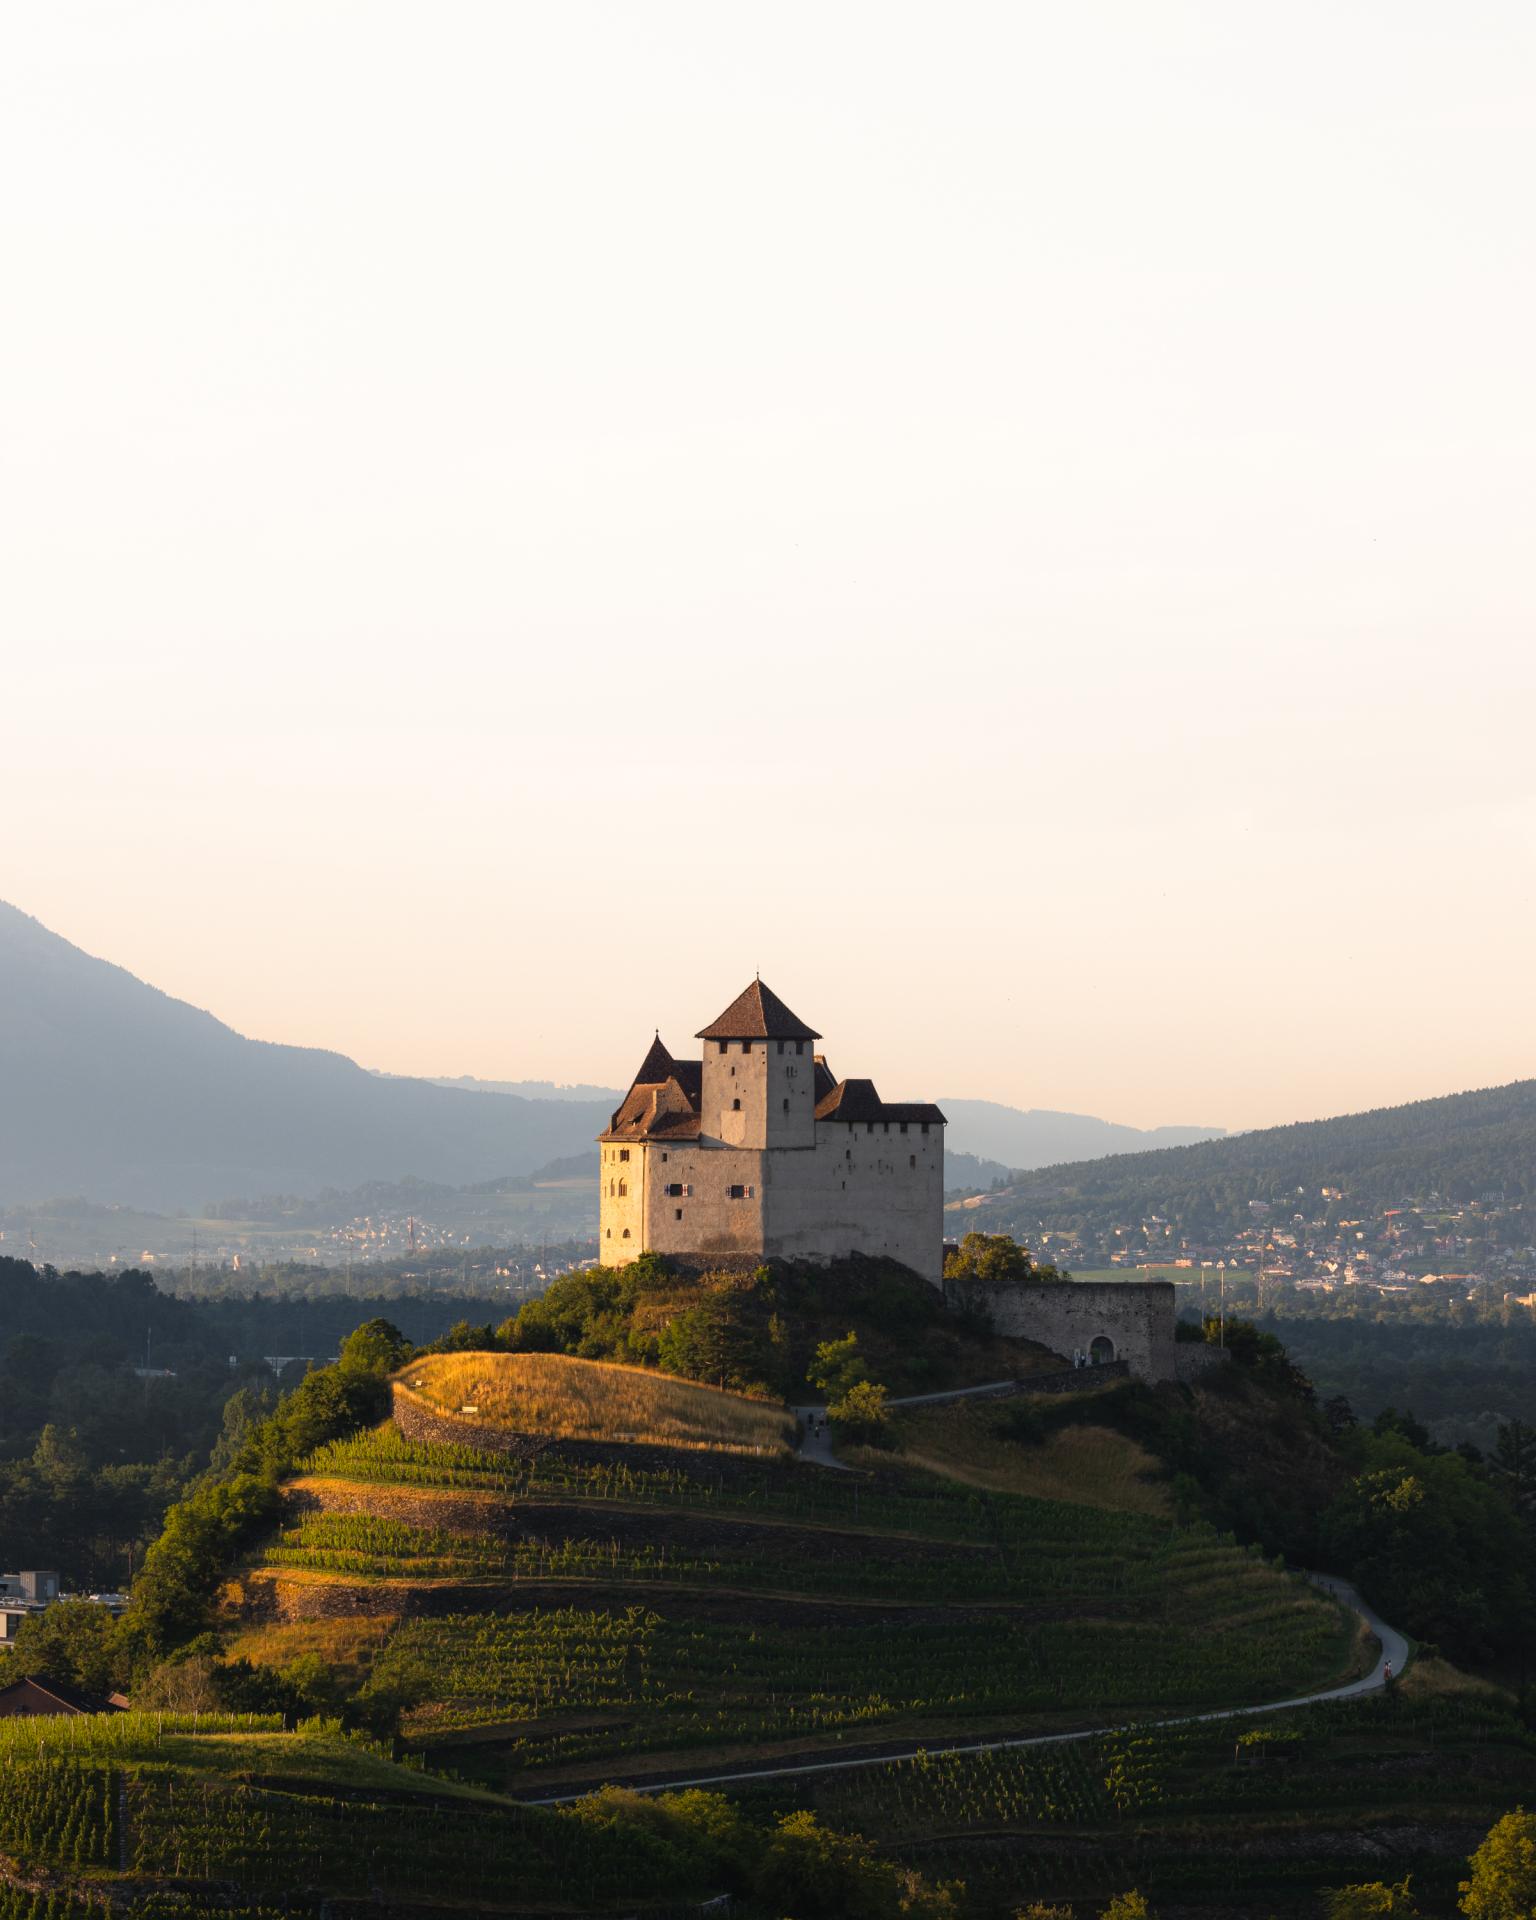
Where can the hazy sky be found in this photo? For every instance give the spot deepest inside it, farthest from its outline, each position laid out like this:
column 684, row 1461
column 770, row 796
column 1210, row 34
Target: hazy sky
column 1016, row 520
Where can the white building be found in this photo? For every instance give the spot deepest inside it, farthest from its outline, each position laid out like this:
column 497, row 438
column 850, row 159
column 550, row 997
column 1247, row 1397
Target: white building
column 756, row 1149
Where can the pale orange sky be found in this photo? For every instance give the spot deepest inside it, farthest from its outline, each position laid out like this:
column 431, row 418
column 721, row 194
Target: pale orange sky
column 1014, row 520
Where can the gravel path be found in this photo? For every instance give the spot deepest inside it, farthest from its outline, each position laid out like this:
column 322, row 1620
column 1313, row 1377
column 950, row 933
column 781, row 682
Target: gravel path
column 1393, row 1649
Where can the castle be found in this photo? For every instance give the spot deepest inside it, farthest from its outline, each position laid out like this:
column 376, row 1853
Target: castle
column 757, row 1149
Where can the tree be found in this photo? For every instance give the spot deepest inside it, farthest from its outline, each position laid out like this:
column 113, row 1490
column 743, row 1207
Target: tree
column 73, row 1641
column 837, row 1366
column 861, row 1415
column 1514, row 1461
column 377, row 1346
column 1128, row 1906
column 1502, row 1882
column 992, row 1258
column 1373, row 1900
column 817, row 1873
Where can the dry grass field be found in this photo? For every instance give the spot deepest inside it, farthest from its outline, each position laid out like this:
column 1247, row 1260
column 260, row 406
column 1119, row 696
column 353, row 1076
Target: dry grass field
column 1087, row 1466
column 568, row 1399
column 347, row 1646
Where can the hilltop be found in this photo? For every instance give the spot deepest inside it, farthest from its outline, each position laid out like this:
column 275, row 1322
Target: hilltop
column 1460, row 1146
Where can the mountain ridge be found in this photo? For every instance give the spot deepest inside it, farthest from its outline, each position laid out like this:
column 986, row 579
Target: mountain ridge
column 119, row 1092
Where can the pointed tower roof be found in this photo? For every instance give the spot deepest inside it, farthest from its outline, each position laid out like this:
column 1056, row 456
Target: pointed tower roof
column 757, row 1013
column 655, row 1067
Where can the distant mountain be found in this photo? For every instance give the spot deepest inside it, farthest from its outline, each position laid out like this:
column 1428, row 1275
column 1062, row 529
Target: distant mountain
column 1034, row 1137
column 964, row 1171
column 1460, row 1147
column 608, row 1097
column 111, row 1089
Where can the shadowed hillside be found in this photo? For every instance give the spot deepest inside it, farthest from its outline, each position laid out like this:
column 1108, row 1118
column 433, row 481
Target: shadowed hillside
column 117, row 1091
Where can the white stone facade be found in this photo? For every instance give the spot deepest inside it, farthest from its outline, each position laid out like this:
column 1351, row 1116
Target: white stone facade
column 756, row 1150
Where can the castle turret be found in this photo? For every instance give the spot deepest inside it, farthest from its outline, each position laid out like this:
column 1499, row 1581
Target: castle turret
column 759, row 1079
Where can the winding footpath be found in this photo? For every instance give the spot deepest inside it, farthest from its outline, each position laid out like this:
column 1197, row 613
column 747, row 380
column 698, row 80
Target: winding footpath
column 1393, row 1650
column 815, row 1447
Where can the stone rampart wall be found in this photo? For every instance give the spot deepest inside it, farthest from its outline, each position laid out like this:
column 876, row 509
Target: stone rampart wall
column 1192, row 1362
column 1136, row 1317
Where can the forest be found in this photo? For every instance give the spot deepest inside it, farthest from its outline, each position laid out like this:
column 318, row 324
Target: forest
column 1460, row 1147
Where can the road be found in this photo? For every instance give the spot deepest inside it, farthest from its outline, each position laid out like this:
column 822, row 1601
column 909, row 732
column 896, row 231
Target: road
column 1393, row 1649
column 816, row 1441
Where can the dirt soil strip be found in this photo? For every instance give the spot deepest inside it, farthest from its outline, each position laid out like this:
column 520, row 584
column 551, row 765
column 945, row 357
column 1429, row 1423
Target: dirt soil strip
column 1394, row 1653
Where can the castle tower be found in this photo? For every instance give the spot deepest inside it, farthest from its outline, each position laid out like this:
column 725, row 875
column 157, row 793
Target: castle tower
column 759, row 1076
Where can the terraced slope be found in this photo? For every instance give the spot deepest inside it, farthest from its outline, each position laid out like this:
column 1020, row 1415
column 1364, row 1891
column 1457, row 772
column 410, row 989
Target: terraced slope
column 587, row 1611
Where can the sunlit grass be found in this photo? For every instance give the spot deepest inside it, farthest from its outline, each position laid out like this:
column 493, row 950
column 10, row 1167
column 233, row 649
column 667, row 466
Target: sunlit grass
column 562, row 1398
column 1085, row 1466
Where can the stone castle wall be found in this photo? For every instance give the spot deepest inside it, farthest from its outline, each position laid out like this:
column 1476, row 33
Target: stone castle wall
column 1068, row 1316
column 859, row 1189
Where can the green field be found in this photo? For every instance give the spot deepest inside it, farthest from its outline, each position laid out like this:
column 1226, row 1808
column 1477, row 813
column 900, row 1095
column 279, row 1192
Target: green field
column 1181, row 1276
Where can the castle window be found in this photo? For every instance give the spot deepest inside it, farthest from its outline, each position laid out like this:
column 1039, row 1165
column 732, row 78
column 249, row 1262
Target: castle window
column 925, row 1126
column 610, row 1233
column 781, row 1046
column 666, row 1156
column 903, row 1126
column 746, row 1046
column 911, row 1159
column 675, row 1191
column 735, row 1106
column 677, row 1213
column 738, row 1193
column 847, row 1153
column 799, row 1046
column 869, row 1126
column 723, row 1045
column 623, row 1153
column 786, row 1106
column 623, row 1188
column 626, row 1233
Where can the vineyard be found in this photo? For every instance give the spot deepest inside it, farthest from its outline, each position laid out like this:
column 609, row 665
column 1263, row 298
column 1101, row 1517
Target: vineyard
column 644, row 1679
column 1197, row 1814
column 196, row 1805
column 591, row 1613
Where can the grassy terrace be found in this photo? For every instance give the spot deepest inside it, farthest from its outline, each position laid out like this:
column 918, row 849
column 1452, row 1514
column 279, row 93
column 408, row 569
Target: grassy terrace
column 612, row 1619
column 562, row 1398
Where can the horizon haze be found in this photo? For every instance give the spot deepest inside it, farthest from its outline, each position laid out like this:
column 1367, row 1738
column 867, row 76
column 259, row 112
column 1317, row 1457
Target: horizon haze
column 1016, row 526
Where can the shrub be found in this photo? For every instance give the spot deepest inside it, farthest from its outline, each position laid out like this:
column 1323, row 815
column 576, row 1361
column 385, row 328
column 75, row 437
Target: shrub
column 1502, row 1881
column 861, row 1416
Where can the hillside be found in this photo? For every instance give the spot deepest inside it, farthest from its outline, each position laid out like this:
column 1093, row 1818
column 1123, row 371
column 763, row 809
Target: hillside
column 594, row 1611
column 936, row 1679
column 1036, row 1137
column 1459, row 1147
column 116, row 1091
